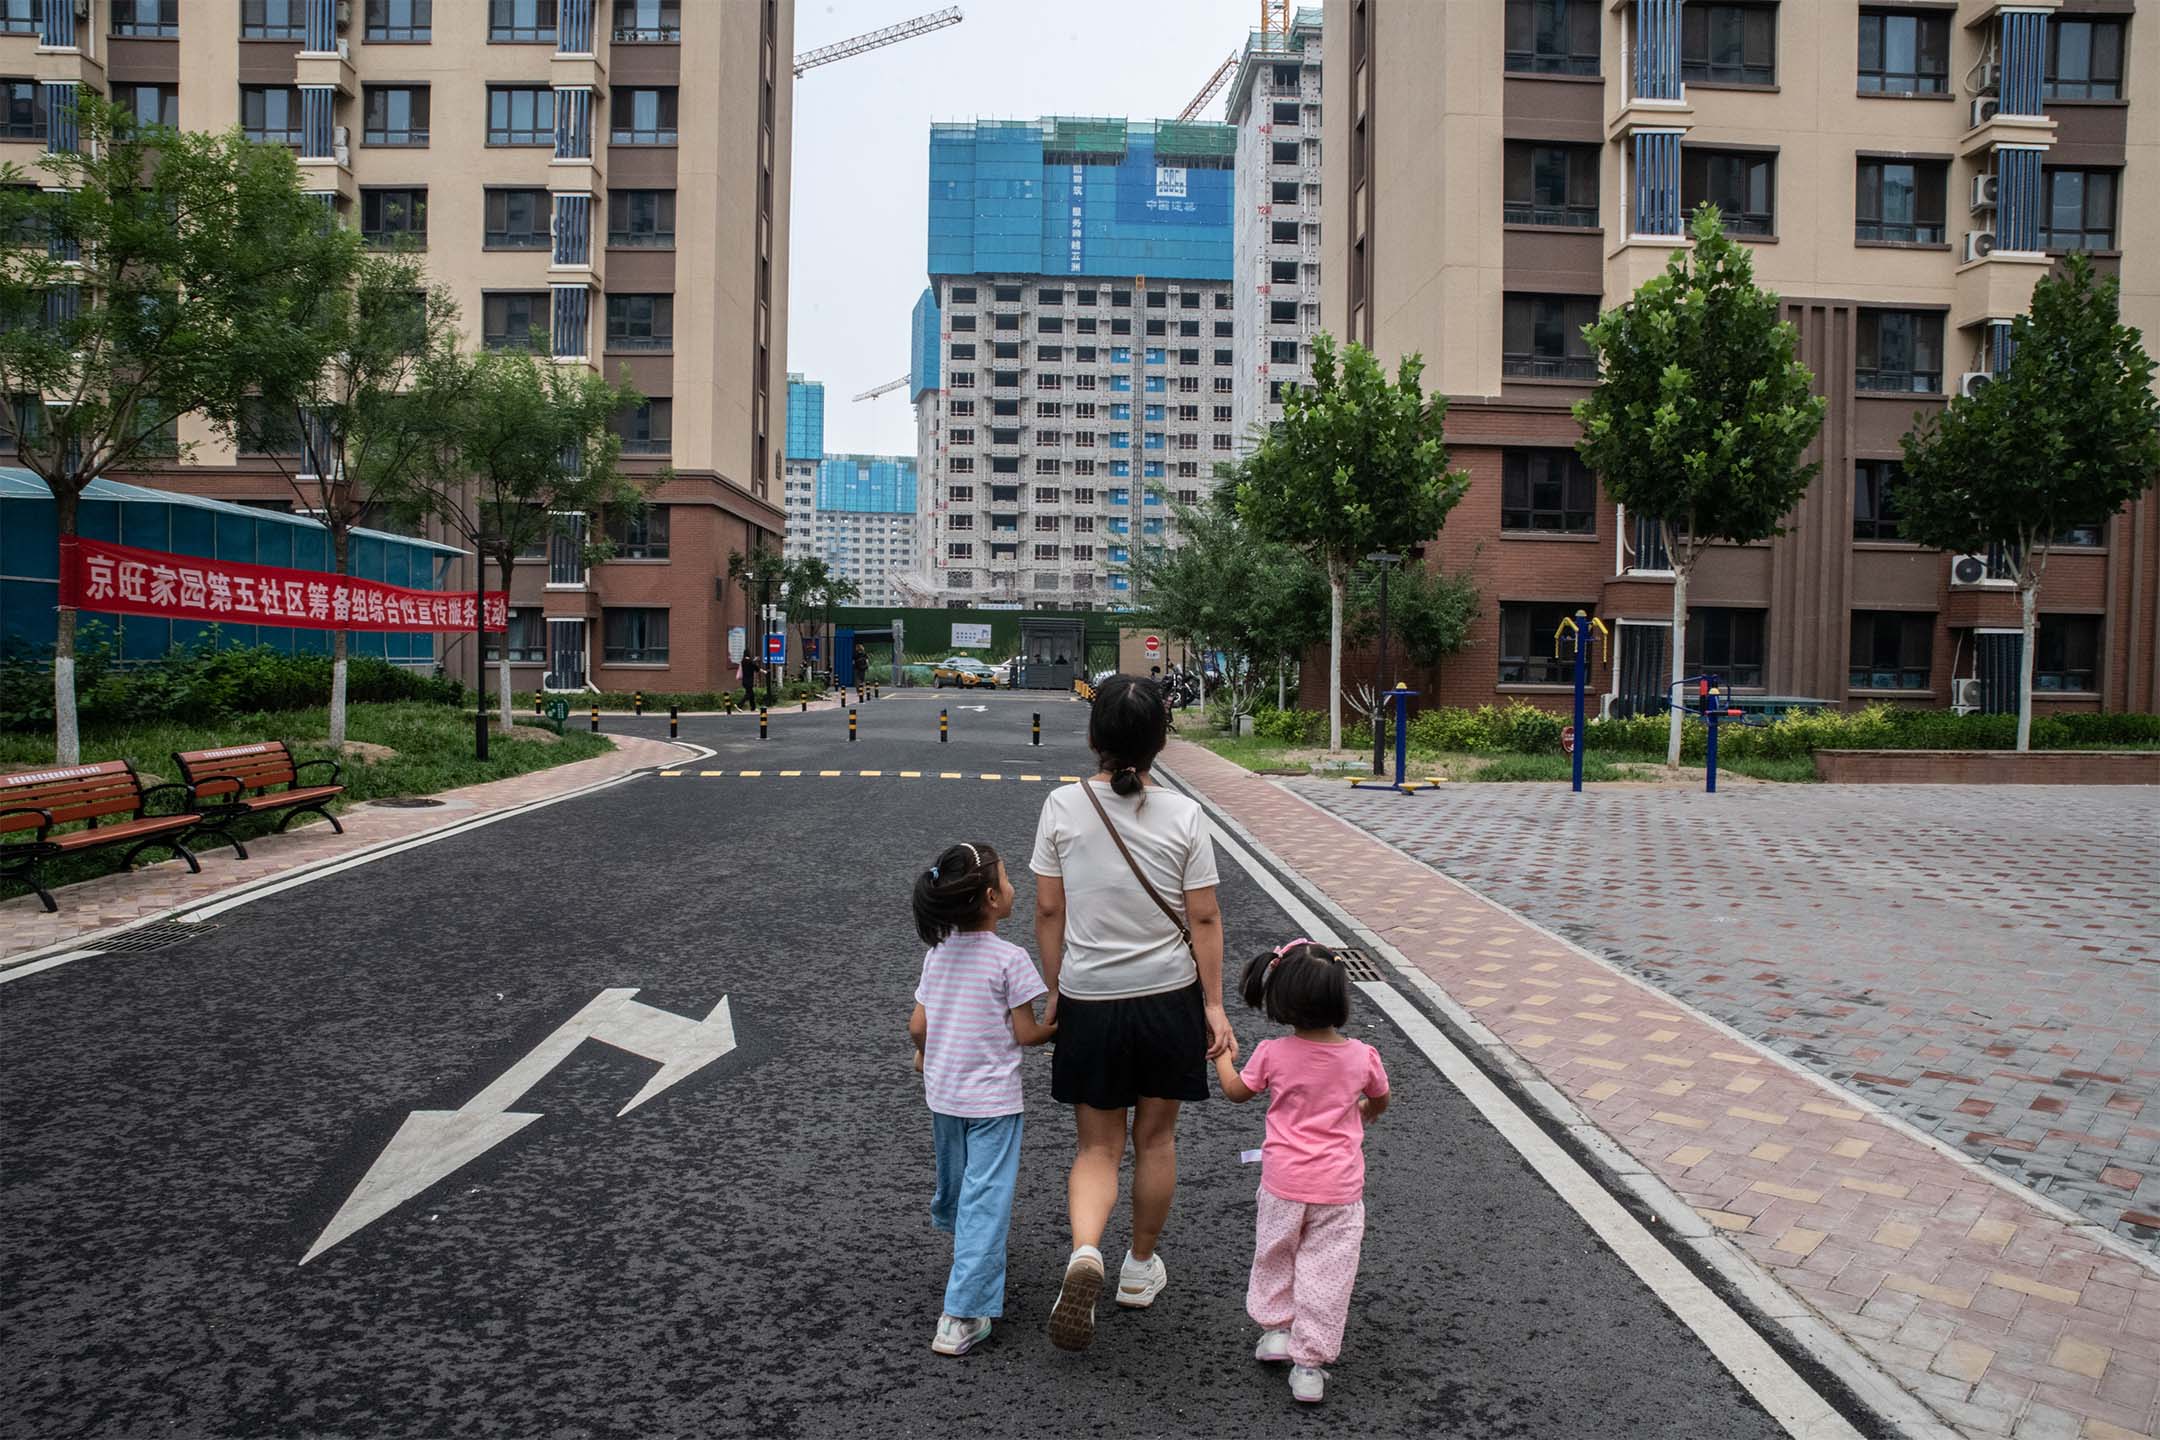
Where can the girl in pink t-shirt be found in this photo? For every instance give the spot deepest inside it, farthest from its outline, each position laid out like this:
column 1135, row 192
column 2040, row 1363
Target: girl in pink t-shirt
column 1323, row 1089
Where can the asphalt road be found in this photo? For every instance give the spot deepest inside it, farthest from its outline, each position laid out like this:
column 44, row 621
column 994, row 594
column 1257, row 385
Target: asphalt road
column 749, row 1253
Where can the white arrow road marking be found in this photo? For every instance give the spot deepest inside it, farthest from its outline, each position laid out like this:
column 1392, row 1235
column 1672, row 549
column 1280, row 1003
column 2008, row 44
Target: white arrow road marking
column 978, row 709
column 432, row 1144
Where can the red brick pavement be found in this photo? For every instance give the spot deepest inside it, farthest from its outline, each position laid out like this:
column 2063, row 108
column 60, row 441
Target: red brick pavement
column 1992, row 1309
column 123, row 898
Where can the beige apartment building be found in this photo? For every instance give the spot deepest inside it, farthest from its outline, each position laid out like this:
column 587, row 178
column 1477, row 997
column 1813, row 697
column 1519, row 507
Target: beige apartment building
column 607, row 179
column 1496, row 171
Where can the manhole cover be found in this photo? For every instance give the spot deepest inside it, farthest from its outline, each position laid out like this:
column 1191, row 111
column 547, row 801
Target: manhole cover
column 155, row 936
column 405, row 802
column 1359, row 964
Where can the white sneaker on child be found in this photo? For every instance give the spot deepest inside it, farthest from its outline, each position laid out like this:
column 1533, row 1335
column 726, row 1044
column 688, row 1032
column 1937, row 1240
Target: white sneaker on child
column 1140, row 1281
column 1308, row 1383
column 1274, row 1347
column 957, row 1335
column 1072, row 1318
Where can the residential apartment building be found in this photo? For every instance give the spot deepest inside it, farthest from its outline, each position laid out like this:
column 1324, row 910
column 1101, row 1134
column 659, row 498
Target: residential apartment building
column 864, row 522
column 1274, row 106
column 604, row 179
column 804, row 449
column 1075, row 353
column 1903, row 172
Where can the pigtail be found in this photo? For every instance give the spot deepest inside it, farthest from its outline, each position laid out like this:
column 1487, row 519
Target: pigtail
column 1252, row 989
column 950, row 893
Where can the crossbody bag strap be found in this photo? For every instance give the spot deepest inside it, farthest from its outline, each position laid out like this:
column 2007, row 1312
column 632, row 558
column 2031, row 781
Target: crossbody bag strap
column 1119, row 841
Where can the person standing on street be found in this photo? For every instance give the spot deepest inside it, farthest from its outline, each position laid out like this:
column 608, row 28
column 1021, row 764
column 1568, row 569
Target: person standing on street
column 749, row 678
column 1130, row 936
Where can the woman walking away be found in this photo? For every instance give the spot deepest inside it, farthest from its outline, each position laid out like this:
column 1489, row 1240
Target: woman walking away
column 1131, row 943
column 1323, row 1089
column 974, row 1010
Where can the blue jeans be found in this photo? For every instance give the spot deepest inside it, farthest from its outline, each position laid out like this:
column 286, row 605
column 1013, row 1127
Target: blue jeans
column 978, row 1163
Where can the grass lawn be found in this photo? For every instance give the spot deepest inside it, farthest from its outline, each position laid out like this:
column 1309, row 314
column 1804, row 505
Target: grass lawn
column 1276, row 757
column 432, row 749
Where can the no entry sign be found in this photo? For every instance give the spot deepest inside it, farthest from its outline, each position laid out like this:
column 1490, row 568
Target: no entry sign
column 1153, row 645
column 1567, row 740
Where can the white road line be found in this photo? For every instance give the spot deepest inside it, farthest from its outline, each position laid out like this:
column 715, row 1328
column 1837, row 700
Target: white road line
column 70, row 955
column 1789, row 1399
column 48, row 963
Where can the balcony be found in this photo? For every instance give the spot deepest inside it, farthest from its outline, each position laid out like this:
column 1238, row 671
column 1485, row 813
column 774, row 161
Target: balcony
column 1543, row 367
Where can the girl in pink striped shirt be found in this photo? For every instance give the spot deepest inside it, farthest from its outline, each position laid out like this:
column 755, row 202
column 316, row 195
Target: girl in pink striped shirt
column 974, row 1009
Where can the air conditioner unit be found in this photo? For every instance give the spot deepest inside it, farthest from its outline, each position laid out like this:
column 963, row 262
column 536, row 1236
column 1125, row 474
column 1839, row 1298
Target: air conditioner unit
column 1987, row 78
column 82, row 9
column 344, row 14
column 1972, row 382
column 1983, row 191
column 1965, row 695
column 1969, row 571
column 1984, row 109
column 341, row 136
column 343, row 155
column 344, row 49
column 1979, row 244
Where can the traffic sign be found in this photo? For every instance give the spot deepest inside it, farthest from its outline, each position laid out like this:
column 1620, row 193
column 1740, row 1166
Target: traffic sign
column 1153, row 645
column 776, row 649
column 1567, row 740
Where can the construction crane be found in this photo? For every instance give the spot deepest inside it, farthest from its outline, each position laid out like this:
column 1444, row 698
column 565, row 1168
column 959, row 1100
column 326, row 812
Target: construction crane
column 1274, row 20
column 877, row 39
column 874, row 392
column 1209, row 91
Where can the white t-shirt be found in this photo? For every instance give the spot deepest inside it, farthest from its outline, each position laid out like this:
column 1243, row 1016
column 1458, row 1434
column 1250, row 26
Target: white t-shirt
column 1117, row 943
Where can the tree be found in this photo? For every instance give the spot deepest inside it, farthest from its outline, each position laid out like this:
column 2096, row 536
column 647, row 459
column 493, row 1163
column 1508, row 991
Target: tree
column 1429, row 611
column 1357, row 463
column 759, row 575
column 1701, row 414
column 162, row 273
column 2067, row 436
column 811, row 590
column 511, row 443
column 321, row 416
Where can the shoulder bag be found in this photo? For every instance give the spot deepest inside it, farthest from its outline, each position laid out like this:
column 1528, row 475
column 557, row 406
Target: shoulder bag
column 1184, row 933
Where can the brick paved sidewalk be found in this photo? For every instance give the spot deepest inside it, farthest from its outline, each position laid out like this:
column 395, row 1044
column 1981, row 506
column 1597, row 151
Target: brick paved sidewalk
column 124, row 897
column 1997, row 1312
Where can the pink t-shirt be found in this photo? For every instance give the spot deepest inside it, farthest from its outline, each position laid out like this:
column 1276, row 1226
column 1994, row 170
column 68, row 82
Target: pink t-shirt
column 1315, row 1149
column 971, row 983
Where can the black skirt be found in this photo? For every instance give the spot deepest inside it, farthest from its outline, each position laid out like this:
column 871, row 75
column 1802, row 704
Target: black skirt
column 1112, row 1053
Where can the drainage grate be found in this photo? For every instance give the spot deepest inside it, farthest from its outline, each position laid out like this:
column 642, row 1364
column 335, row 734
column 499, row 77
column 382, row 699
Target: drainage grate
column 404, row 802
column 157, row 935
column 1359, row 964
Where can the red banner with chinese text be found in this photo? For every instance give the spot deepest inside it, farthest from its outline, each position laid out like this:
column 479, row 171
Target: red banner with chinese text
column 97, row 575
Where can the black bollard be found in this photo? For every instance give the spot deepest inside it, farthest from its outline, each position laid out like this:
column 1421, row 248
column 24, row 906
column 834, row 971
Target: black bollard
column 761, row 722
column 1037, row 740
column 674, row 722
column 637, row 702
column 851, row 727
column 942, row 724
column 596, row 719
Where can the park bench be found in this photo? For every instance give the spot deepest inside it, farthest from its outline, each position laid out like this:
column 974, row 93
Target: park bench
column 236, row 781
column 108, row 798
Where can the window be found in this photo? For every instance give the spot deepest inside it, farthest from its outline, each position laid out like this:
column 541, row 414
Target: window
column 648, row 22
column 1541, row 337
column 517, row 220
column 1286, row 77
column 267, row 429
column 634, row 635
column 526, row 637
column 1874, row 501
column 25, row 117
column 962, row 494
column 1283, row 152
column 1283, row 192
column 514, row 319
column 1549, row 490
column 641, row 219
column 269, row 19
column 962, row 295
column 963, row 324
column 2082, row 536
column 643, row 536
column 642, row 117
column 1741, row 183
column 2080, row 210
column 393, row 217
column 1283, row 232
column 401, row 20
column 146, row 17
column 270, row 114
column 1727, row 644
column 2066, row 653
column 1900, row 350
column 396, row 115
column 1890, row 650
column 521, row 115
column 1552, row 37
column 150, row 104
column 2084, row 58
column 1284, row 112
column 521, row 20
column 647, row 429
column 1903, row 52
column 1900, row 202
column 1526, row 647
column 1551, row 184
column 1728, row 44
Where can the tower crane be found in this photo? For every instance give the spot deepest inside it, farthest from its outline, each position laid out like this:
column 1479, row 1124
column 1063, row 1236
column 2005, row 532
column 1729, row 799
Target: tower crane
column 877, row 39
column 877, row 390
column 1209, row 91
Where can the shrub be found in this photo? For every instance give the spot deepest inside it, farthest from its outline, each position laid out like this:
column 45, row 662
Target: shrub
column 206, row 683
column 1450, row 728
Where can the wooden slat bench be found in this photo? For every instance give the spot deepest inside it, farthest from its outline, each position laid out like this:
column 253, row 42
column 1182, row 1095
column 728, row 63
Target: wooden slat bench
column 109, row 796
column 235, row 781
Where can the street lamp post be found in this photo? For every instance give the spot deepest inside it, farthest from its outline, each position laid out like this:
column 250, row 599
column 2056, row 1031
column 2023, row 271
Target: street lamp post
column 1386, row 561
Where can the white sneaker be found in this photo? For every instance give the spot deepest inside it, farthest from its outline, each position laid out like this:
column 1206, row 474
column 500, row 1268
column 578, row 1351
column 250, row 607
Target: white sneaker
column 1274, row 1347
column 1308, row 1383
column 957, row 1336
column 1072, row 1318
column 1140, row 1281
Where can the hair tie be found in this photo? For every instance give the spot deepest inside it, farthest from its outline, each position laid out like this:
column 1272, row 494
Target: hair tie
column 933, row 872
column 1280, row 951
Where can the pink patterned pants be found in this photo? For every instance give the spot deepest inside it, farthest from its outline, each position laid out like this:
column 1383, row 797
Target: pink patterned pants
column 1305, row 1260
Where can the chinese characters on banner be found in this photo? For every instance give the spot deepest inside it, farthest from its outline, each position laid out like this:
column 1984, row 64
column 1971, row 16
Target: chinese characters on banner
column 120, row 579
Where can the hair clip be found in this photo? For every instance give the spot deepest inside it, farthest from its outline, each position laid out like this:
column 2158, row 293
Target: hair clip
column 933, row 872
column 974, row 856
column 1280, row 952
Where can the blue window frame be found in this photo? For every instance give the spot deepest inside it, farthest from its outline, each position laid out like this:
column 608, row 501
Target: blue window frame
column 1156, row 385
column 1122, row 410
column 1120, row 496
column 1120, row 470
column 1152, row 412
column 1121, row 354
column 1155, row 355
column 1121, row 384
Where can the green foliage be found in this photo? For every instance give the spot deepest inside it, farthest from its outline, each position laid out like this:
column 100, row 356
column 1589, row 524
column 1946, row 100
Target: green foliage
column 2067, row 436
column 1879, row 727
column 1429, row 611
column 1224, row 587
column 1514, row 769
column 1702, row 413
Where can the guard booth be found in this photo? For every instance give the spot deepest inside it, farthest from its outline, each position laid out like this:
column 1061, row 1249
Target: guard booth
column 886, row 642
column 1053, row 652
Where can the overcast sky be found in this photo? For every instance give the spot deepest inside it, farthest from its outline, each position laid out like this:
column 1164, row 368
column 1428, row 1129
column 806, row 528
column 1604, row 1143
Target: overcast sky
column 862, row 148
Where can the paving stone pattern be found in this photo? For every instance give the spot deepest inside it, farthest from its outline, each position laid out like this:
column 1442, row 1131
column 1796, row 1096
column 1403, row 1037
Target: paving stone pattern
column 2004, row 1318
column 1985, row 964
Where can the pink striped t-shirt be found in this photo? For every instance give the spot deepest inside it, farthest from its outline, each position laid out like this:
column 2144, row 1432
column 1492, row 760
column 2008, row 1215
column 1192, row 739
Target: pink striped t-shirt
column 971, row 982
